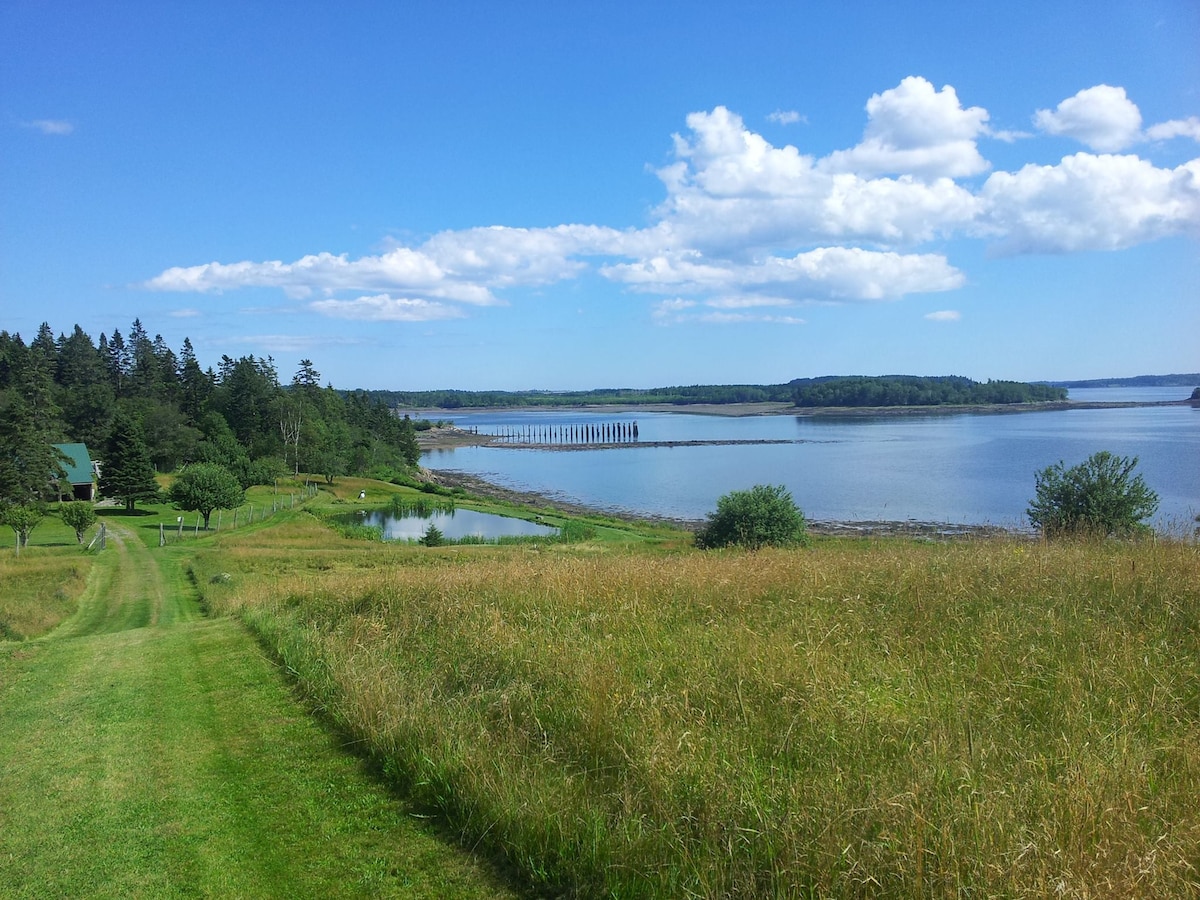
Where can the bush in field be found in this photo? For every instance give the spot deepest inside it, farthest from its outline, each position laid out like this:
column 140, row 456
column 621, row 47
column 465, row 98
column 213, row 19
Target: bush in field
column 1099, row 496
column 79, row 515
column 764, row 516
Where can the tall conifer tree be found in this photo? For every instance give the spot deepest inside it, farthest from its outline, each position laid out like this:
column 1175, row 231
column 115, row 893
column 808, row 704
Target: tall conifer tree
column 126, row 472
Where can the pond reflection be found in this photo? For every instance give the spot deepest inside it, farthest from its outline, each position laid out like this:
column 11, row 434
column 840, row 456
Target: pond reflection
column 454, row 524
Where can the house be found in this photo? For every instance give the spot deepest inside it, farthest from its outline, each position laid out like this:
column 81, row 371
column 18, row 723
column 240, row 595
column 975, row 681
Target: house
column 80, row 470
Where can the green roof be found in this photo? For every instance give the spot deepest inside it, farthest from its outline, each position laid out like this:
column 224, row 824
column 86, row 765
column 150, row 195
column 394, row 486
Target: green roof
column 79, row 464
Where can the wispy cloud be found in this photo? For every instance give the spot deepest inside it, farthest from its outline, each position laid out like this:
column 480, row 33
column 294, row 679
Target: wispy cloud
column 51, row 126
column 787, row 117
column 678, row 311
column 1164, row 131
column 944, row 315
column 288, row 343
column 384, row 308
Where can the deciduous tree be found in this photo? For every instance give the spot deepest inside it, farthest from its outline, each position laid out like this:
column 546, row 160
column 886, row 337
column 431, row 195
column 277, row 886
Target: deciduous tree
column 204, row 487
column 79, row 515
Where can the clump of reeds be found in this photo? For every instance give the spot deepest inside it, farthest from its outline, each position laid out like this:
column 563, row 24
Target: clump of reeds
column 995, row 718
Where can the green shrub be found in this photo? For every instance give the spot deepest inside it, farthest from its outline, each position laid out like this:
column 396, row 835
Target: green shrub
column 1100, row 496
column 764, row 516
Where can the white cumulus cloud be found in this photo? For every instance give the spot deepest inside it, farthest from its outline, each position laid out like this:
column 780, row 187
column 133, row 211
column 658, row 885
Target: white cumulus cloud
column 747, row 228
column 1101, row 117
column 1090, row 202
column 916, row 130
column 825, row 274
column 730, row 191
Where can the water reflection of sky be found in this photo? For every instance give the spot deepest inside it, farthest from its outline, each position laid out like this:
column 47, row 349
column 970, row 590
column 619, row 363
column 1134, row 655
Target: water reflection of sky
column 975, row 469
column 455, row 524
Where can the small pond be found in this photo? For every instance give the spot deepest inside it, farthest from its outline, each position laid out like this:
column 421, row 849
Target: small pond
column 454, row 524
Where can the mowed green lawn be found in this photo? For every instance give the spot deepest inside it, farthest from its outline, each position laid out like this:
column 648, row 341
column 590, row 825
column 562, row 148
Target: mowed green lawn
column 147, row 751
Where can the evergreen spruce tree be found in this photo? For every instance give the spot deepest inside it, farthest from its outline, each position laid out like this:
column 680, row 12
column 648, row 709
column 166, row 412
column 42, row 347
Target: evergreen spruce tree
column 29, row 461
column 28, row 429
column 126, row 472
column 195, row 387
column 83, row 391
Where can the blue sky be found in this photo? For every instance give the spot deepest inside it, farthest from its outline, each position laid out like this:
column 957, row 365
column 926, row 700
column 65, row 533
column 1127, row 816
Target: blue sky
column 552, row 195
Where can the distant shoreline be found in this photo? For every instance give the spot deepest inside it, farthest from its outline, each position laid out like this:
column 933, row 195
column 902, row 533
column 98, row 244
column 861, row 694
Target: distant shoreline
column 449, row 437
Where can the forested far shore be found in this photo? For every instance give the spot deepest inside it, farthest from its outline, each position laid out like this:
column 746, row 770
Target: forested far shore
column 831, row 390
column 912, row 390
column 1189, row 380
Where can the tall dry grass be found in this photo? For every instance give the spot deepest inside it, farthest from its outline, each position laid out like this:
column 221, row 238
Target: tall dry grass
column 39, row 590
column 989, row 719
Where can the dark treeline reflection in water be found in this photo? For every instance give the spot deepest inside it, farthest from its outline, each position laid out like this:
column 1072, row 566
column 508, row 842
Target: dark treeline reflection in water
column 960, row 468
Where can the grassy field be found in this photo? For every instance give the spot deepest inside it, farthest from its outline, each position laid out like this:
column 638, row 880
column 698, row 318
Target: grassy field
column 987, row 718
column 149, row 751
column 618, row 716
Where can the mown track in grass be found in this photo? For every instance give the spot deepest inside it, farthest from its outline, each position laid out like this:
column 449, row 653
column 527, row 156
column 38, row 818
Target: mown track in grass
column 149, row 752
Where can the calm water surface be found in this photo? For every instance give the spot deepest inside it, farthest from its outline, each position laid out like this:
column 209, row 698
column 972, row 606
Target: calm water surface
column 969, row 469
column 455, row 524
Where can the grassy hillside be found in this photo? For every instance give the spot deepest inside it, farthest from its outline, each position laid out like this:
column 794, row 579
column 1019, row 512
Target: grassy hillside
column 994, row 718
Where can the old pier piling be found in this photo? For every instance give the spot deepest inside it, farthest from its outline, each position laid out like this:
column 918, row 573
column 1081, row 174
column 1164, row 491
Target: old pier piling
column 575, row 434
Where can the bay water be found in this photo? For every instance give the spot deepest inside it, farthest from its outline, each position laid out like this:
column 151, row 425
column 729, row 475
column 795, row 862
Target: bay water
column 971, row 469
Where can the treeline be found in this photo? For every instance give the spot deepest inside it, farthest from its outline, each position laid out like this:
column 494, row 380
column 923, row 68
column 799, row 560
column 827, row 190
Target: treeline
column 912, row 390
column 134, row 388
column 889, row 390
column 710, row 393
column 1175, row 380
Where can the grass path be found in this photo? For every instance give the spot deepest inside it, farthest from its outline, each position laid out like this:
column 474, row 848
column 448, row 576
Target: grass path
column 146, row 751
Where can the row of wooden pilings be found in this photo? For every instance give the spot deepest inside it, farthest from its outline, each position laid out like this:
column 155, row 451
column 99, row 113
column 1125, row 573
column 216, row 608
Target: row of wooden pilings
column 603, row 433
